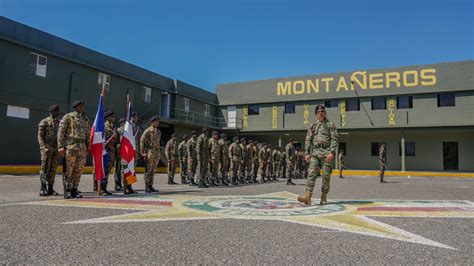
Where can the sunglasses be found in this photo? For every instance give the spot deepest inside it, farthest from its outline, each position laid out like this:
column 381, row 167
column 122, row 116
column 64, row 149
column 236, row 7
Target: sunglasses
column 321, row 111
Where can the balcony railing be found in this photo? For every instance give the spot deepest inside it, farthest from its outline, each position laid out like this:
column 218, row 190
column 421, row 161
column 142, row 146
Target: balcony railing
column 195, row 118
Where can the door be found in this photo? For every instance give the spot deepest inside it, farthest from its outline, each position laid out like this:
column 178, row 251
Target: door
column 450, row 156
column 231, row 117
column 165, row 105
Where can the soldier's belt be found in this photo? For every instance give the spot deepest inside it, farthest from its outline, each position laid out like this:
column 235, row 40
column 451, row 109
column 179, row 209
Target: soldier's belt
column 321, row 145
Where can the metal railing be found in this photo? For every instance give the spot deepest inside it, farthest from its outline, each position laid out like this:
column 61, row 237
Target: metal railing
column 195, row 118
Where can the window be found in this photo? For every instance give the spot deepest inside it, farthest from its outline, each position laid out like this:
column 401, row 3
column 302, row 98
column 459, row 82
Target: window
column 147, row 96
column 409, row 148
column 207, row 111
column 331, row 104
column 18, row 112
column 104, row 82
column 376, row 147
column 404, row 102
column 446, row 99
column 352, row 105
column 254, row 109
column 186, row 105
column 379, row 103
column 289, row 108
column 38, row 64
column 343, row 147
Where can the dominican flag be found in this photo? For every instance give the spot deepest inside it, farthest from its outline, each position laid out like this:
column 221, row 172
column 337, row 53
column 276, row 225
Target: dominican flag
column 128, row 149
column 97, row 142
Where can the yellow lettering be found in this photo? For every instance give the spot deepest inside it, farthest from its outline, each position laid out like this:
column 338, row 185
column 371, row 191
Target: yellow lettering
column 375, row 81
column 362, row 84
column 306, row 114
column 342, row 84
column 426, row 78
column 284, row 89
column 314, row 86
column 297, row 90
column 327, row 80
column 406, row 82
column 392, row 77
column 274, row 116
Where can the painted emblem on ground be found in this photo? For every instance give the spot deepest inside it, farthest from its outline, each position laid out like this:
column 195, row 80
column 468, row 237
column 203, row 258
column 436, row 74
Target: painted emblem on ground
column 352, row 216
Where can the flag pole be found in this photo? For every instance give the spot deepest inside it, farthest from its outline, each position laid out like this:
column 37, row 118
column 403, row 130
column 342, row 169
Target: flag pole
column 102, row 93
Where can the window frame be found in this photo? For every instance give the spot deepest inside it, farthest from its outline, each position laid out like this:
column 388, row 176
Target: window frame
column 410, row 102
column 347, row 105
column 439, row 95
column 146, row 94
column 293, row 106
column 187, row 104
column 329, row 104
column 107, row 84
column 406, row 149
column 253, row 112
column 378, row 98
column 207, row 110
column 36, row 67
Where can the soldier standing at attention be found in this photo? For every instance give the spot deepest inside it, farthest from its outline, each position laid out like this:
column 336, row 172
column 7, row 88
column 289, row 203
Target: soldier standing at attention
column 382, row 161
column 118, row 161
column 243, row 162
column 254, row 161
column 341, row 163
column 202, row 149
column 73, row 141
column 111, row 143
column 290, row 161
column 150, row 150
column 223, row 159
column 183, row 159
column 321, row 145
column 276, row 162
column 48, row 142
column 214, row 152
column 171, row 153
column 235, row 157
column 192, row 158
column 249, row 162
column 262, row 160
column 283, row 164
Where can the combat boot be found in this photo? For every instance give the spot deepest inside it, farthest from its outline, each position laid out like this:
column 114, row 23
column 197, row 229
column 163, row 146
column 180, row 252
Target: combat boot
column 68, row 194
column 75, row 193
column 51, row 191
column 289, row 182
column 104, row 192
column 324, row 199
column 43, row 192
column 118, row 187
column 191, row 182
column 382, row 181
column 152, row 189
column 171, row 181
column 94, row 182
column 183, row 180
column 201, row 183
column 306, row 198
column 147, row 189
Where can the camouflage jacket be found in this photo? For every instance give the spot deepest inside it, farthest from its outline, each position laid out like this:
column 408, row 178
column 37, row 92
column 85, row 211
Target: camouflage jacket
column 191, row 148
column 290, row 152
column 183, row 150
column 202, row 147
column 73, row 129
column 111, row 138
column 321, row 139
column 243, row 150
column 48, row 134
column 382, row 156
column 150, row 140
column 214, row 149
column 249, row 152
column 255, row 153
column 224, row 154
column 171, row 150
column 235, row 153
column 137, row 133
column 341, row 158
column 276, row 156
column 263, row 155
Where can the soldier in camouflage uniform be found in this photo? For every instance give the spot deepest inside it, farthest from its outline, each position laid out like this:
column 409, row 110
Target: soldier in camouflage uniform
column 290, row 161
column 262, row 163
column 341, row 163
column 254, row 161
column 202, row 149
column 150, row 150
column 270, row 163
column 192, row 158
column 382, row 161
column 248, row 166
column 111, row 147
column 224, row 159
column 48, row 142
column 73, row 141
column 243, row 162
column 214, row 152
column 276, row 156
column 283, row 164
column 235, row 155
column 171, row 153
column 320, row 144
column 183, row 159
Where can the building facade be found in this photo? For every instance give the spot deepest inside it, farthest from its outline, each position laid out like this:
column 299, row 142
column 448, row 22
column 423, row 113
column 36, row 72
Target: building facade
column 424, row 114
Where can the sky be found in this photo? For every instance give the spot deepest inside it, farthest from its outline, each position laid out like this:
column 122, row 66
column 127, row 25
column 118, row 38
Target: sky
column 209, row 42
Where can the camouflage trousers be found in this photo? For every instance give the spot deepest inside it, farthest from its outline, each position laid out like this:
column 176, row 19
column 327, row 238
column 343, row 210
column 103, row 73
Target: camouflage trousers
column 183, row 168
column 49, row 164
column 249, row 169
column 152, row 159
column 262, row 169
column 214, row 169
column 242, row 169
column 255, row 169
column 276, row 169
column 76, row 155
column 341, row 167
column 172, row 164
column 290, row 170
column 224, row 168
column 118, row 170
column 269, row 172
column 202, row 168
column 192, row 167
column 382, row 170
column 234, row 168
column 283, row 169
column 315, row 165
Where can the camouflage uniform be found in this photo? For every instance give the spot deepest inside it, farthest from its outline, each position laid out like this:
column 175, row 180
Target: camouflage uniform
column 150, row 146
column 290, row 161
column 243, row 162
column 283, row 164
column 111, row 147
column 321, row 140
column 235, row 155
column 270, row 163
column 262, row 159
column 249, row 162
column 183, row 160
column 276, row 156
column 254, row 162
column 171, row 153
column 214, row 151
column 382, row 162
column 118, row 160
column 202, row 149
column 73, row 135
column 192, row 158
column 223, row 159
column 341, row 164
column 48, row 142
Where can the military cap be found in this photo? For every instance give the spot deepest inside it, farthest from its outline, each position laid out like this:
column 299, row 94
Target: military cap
column 193, row 132
column 53, row 107
column 134, row 113
column 122, row 120
column 76, row 103
column 173, row 135
column 319, row 106
column 204, row 130
column 153, row 118
column 235, row 139
column 215, row 132
column 108, row 113
column 222, row 135
column 184, row 137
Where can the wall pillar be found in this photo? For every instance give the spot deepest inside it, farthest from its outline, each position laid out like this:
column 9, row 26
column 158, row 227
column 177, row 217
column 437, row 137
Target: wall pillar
column 402, row 143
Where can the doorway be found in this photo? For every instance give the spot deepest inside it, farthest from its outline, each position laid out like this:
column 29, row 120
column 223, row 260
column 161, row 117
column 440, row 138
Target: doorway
column 450, row 156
